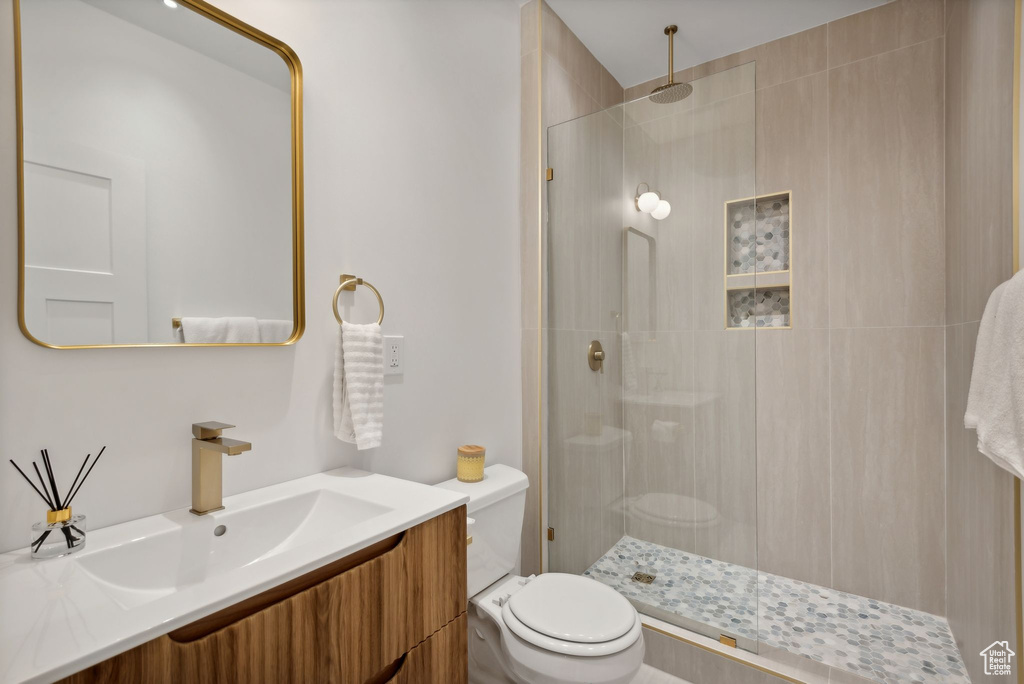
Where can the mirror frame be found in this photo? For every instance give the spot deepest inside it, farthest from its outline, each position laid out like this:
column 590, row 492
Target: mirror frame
column 298, row 264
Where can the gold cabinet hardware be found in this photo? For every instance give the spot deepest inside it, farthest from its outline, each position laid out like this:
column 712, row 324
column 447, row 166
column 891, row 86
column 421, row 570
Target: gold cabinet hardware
column 469, row 540
column 551, row 534
column 727, row 640
column 550, row 174
column 595, row 356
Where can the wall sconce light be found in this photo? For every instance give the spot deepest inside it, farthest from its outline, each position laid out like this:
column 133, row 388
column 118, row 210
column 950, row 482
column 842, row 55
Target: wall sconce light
column 650, row 202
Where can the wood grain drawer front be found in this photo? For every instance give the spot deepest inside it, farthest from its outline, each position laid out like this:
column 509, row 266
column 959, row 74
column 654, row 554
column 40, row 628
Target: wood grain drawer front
column 345, row 629
column 441, row 658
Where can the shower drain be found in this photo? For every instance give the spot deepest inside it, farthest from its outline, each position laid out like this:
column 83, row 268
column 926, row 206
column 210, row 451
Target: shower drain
column 643, row 577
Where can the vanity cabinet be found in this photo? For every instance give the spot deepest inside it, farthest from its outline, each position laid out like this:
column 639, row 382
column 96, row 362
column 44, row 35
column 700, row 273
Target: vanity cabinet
column 394, row 612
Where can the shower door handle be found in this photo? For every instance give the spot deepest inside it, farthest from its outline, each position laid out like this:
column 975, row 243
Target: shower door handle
column 595, row 356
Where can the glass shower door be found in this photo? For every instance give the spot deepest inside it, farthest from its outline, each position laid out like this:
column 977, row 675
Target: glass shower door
column 651, row 451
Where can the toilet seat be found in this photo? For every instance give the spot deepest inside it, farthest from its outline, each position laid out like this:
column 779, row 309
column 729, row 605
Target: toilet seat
column 526, row 656
column 571, row 615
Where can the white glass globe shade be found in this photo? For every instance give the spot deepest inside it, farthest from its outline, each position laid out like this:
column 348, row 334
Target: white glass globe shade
column 661, row 210
column 647, row 202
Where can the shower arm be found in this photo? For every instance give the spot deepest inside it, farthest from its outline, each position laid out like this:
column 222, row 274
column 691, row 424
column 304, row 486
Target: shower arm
column 670, row 31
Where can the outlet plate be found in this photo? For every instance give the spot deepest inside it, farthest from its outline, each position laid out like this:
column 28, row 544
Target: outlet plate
column 394, row 355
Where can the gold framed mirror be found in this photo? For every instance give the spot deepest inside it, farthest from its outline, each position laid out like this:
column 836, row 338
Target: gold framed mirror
column 160, row 193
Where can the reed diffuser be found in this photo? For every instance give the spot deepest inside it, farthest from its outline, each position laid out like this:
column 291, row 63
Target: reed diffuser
column 63, row 532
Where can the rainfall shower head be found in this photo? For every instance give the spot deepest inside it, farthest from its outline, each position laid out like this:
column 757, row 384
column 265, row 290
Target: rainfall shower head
column 671, row 91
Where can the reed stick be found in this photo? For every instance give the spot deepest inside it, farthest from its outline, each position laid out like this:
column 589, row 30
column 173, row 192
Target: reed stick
column 39, row 475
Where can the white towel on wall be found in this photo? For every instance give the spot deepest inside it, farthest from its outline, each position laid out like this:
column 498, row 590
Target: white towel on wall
column 995, row 405
column 275, row 330
column 226, row 330
column 359, row 385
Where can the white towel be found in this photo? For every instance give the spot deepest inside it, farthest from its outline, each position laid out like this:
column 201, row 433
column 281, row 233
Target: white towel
column 995, row 405
column 274, row 330
column 359, row 385
column 228, row 330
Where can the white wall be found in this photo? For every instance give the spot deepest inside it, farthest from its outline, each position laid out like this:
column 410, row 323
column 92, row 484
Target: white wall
column 411, row 130
column 214, row 142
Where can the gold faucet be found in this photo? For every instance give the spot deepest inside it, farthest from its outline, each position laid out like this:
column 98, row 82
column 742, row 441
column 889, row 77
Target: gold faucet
column 207, row 465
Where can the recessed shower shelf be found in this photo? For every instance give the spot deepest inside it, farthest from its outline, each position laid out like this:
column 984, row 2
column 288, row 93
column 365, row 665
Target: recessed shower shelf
column 760, row 307
column 758, row 262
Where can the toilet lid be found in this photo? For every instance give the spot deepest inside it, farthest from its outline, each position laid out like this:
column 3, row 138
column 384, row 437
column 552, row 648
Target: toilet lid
column 572, row 608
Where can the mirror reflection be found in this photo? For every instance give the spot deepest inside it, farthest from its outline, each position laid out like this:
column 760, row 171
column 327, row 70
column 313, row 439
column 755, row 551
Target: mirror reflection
column 149, row 215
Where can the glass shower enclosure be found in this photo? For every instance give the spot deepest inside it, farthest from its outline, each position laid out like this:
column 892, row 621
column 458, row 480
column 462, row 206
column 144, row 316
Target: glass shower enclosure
column 651, row 448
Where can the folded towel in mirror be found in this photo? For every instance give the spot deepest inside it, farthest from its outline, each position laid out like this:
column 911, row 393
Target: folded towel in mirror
column 226, row 330
column 273, row 330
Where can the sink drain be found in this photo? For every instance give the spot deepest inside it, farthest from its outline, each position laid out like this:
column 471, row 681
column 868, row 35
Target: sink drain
column 219, row 530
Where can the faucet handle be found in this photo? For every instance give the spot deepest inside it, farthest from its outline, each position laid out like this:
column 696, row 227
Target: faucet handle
column 209, row 430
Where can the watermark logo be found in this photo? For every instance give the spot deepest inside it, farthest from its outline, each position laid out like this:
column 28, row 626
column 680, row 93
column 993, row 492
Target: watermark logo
column 998, row 658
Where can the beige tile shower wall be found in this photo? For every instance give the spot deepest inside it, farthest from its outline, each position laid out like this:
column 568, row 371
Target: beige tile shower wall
column 849, row 403
column 979, row 496
column 560, row 80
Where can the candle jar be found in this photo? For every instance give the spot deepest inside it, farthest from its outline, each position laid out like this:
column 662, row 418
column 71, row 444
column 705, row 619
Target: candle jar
column 61, row 534
column 471, row 463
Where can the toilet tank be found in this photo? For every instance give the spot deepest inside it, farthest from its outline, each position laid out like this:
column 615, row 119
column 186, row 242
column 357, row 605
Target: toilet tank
column 495, row 512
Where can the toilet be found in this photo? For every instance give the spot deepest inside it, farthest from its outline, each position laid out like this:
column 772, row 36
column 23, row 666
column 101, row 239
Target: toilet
column 549, row 629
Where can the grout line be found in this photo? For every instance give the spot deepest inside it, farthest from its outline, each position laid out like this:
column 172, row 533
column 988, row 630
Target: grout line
column 941, row 36
column 945, row 336
column 717, row 73
column 693, row 335
column 828, row 303
column 764, row 329
column 828, row 67
column 586, row 91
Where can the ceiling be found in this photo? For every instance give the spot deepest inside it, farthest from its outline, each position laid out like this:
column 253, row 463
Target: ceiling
column 627, row 36
column 195, row 32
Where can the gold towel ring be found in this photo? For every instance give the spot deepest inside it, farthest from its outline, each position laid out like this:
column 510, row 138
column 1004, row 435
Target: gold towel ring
column 351, row 282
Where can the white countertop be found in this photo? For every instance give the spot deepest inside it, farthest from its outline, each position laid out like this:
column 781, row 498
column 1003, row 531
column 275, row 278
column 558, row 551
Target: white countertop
column 57, row 618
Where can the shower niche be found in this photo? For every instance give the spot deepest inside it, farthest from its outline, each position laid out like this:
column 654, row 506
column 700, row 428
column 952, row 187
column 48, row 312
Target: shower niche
column 758, row 262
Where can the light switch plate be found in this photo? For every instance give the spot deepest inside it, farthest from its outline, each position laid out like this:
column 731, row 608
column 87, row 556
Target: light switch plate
column 394, row 357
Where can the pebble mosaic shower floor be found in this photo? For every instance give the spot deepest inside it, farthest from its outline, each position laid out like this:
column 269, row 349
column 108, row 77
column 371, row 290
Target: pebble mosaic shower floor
column 876, row 640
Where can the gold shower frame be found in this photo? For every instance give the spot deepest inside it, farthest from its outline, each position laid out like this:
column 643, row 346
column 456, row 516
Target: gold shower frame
column 298, row 264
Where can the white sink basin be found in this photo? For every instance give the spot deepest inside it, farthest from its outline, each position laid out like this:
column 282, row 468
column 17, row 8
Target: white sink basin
column 140, row 579
column 200, row 547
